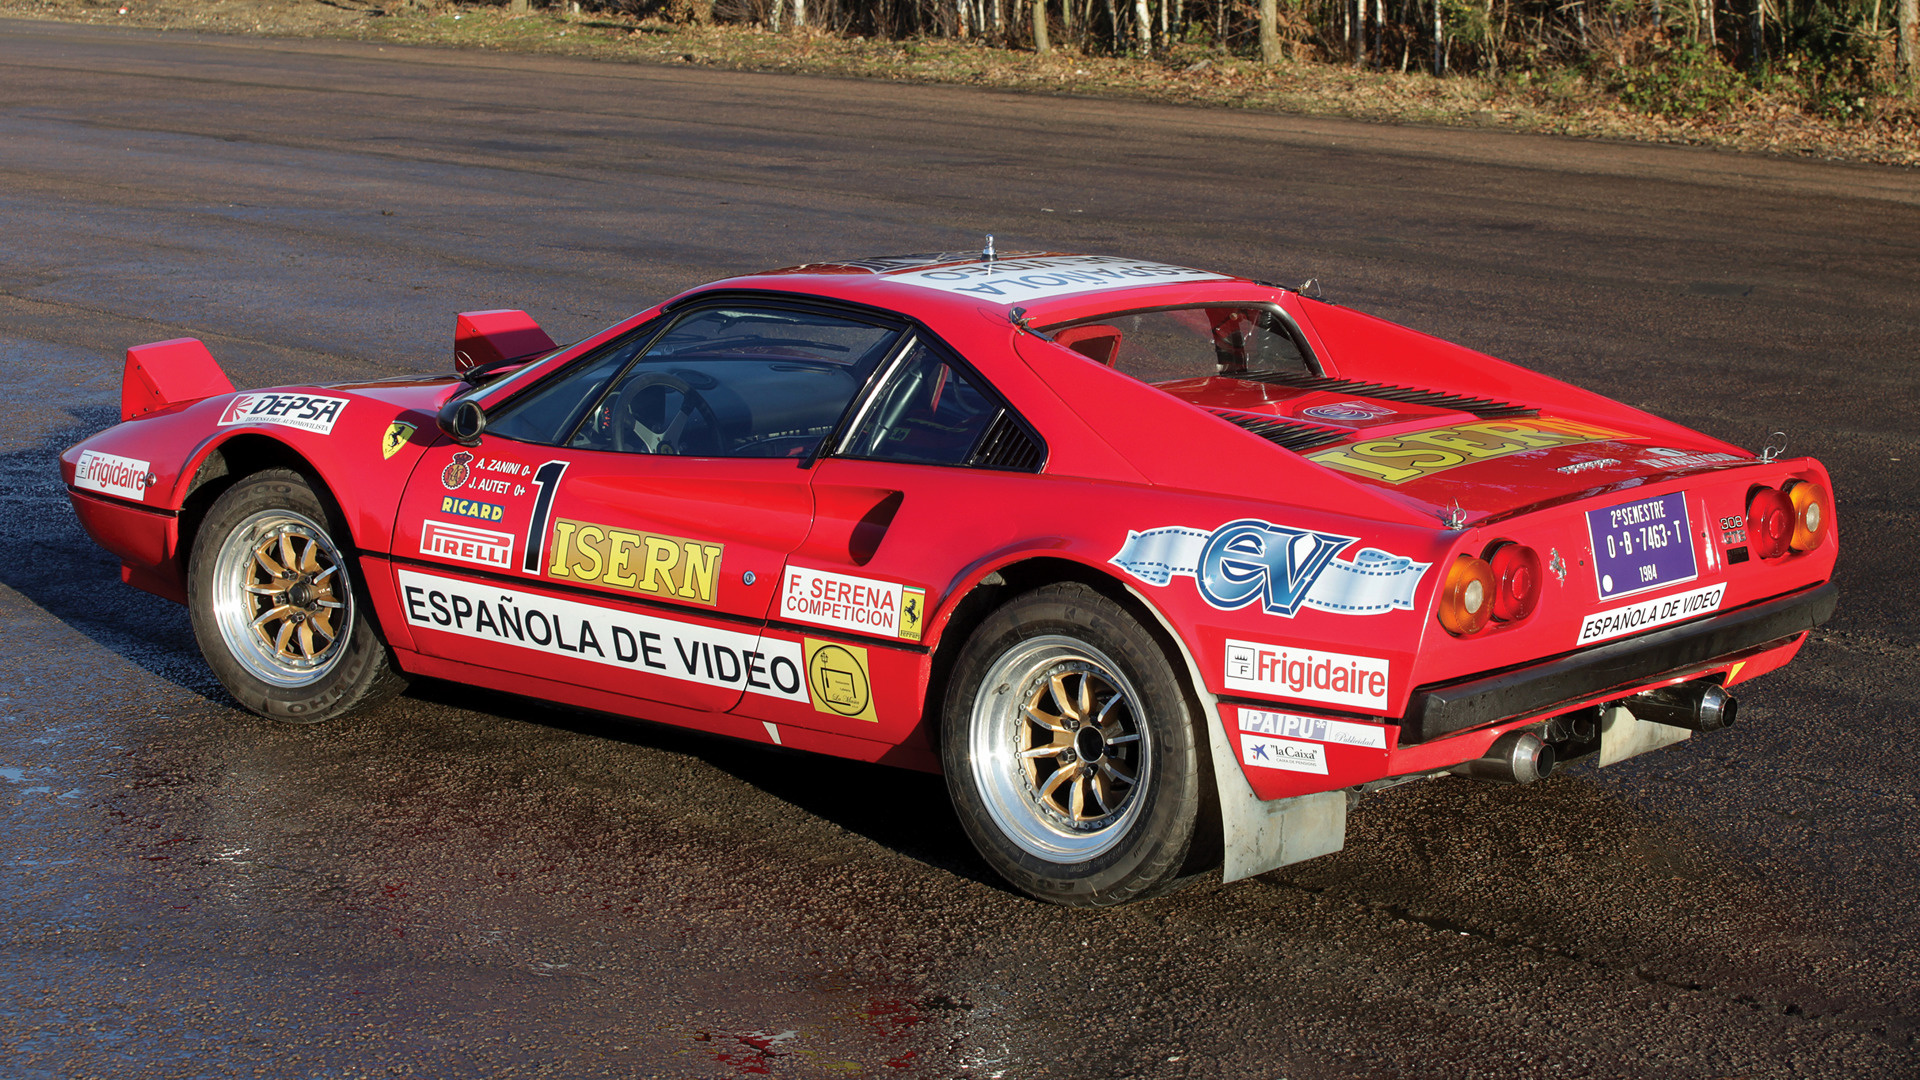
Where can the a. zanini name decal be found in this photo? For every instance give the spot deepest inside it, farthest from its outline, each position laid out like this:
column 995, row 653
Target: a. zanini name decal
column 308, row 412
column 1308, row 674
column 112, row 474
column 1283, row 754
column 621, row 639
column 853, row 603
column 1647, row 614
column 466, row 543
column 1282, row 567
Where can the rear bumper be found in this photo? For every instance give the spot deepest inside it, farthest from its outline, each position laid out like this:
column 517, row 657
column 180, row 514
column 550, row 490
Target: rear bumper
column 1445, row 708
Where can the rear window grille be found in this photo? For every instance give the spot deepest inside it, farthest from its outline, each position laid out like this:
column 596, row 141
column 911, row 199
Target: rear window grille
column 1298, row 438
column 1484, row 408
column 1008, row 445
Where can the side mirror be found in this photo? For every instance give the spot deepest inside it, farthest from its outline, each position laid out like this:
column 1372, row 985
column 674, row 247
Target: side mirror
column 463, row 421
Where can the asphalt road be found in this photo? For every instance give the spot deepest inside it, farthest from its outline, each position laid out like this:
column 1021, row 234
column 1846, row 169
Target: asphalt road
column 466, row 885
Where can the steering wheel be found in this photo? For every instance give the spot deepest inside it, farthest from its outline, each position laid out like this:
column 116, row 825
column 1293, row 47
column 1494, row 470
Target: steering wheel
column 629, row 429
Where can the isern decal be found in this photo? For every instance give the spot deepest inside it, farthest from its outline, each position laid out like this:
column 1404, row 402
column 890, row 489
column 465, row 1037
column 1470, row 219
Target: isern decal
column 1410, row 457
column 665, row 566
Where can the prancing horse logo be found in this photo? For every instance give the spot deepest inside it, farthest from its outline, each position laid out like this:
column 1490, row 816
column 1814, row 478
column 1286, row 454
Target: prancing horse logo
column 397, row 435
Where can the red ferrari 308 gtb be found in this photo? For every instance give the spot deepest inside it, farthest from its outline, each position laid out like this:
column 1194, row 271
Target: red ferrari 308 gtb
column 1160, row 567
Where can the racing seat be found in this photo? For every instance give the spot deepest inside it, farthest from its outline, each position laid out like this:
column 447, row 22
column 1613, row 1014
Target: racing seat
column 1095, row 341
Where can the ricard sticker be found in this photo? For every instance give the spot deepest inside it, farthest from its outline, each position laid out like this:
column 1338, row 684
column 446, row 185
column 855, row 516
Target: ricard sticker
column 308, row 412
column 853, row 603
column 1316, row 728
column 1019, row 278
column 1284, row 754
column 1647, row 614
column 1308, row 674
column 111, row 474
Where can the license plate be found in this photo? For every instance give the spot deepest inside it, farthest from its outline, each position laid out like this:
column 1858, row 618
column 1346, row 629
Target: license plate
column 1642, row 545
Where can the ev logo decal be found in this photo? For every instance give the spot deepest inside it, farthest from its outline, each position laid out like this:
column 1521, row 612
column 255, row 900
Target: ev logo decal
column 1282, row 567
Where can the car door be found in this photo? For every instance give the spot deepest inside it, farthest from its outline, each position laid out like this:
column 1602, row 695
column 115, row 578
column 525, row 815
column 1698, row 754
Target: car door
column 622, row 524
column 905, row 499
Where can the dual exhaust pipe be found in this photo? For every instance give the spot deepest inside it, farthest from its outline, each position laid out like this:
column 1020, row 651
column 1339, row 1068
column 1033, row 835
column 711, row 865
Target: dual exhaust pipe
column 1521, row 757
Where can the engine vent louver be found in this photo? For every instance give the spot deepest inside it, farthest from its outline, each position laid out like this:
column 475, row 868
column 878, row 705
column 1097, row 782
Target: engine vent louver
column 1298, row 438
column 1484, row 408
column 1008, row 445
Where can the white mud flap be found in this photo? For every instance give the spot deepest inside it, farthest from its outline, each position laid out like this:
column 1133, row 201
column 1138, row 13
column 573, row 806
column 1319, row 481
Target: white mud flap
column 1257, row 834
column 1623, row 735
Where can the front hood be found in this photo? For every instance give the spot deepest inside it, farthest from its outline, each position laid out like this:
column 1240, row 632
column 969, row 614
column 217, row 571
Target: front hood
column 1453, row 456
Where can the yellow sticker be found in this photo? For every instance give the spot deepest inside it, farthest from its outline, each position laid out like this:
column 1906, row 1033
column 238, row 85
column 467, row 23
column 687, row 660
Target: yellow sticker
column 669, row 566
column 837, row 679
column 1410, row 457
column 913, row 607
column 397, row 435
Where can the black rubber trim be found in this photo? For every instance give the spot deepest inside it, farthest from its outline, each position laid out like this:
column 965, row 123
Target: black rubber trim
column 1443, row 709
column 124, row 504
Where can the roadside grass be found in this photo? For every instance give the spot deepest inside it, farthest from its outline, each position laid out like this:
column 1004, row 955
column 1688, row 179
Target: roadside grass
column 1692, row 104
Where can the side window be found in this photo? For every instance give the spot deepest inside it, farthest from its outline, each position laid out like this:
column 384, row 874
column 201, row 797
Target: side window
column 737, row 382
column 927, row 412
column 548, row 413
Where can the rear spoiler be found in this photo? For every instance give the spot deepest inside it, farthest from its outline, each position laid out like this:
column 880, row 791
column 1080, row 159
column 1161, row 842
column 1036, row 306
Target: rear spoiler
column 494, row 337
column 164, row 373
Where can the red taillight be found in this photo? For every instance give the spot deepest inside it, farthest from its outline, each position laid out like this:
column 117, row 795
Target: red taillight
column 1812, row 514
column 1516, row 575
column 1466, row 600
column 1770, row 522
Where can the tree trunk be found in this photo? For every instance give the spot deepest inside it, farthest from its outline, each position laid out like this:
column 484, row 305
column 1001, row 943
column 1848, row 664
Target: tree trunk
column 1907, row 53
column 1269, row 31
column 1439, row 41
column 1040, row 43
column 1358, row 31
column 519, row 7
column 1757, row 37
column 1143, row 27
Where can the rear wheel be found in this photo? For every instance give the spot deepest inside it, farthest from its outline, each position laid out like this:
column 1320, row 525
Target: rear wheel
column 275, row 607
column 1069, row 750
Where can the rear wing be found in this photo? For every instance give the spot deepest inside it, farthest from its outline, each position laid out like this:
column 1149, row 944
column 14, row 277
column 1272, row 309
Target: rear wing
column 164, row 373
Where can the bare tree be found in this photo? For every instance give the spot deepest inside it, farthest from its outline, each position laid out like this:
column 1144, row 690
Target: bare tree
column 1040, row 42
column 1907, row 60
column 1269, row 32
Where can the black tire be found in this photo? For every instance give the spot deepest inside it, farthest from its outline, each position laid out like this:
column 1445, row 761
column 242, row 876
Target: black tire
column 279, row 608
column 1056, row 698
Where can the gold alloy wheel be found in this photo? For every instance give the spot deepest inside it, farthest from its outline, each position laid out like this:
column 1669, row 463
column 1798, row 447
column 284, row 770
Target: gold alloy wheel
column 1075, row 757
column 281, row 598
column 1059, row 752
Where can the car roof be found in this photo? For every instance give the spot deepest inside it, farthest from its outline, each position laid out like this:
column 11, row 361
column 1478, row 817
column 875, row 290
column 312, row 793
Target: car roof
column 1044, row 283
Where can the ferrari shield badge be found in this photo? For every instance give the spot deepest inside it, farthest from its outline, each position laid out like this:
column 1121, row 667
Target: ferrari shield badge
column 397, row 435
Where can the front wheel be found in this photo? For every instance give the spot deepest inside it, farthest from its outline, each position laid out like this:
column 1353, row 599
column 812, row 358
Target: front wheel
column 275, row 608
column 1069, row 750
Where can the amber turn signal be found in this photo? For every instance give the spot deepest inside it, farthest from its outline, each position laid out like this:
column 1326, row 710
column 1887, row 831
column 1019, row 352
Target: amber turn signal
column 1516, row 575
column 1770, row 522
column 1466, row 600
column 1811, row 516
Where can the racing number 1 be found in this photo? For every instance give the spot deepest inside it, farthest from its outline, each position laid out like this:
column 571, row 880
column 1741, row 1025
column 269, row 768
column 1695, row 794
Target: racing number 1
column 547, row 479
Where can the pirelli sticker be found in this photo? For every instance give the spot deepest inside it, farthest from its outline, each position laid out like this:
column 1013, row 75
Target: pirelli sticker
column 645, row 563
column 1410, row 457
column 853, row 603
column 838, row 680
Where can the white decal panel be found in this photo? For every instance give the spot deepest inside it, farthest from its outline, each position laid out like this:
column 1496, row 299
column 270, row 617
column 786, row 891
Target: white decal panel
column 1284, row 754
column 852, row 603
column 1316, row 728
column 1308, row 674
column 1647, row 614
column 308, row 412
column 615, row 637
column 1022, row 278
column 111, row 474
column 482, row 547
column 1281, row 567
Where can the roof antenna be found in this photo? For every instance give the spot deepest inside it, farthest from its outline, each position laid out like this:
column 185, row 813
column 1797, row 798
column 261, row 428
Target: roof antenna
column 987, row 252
